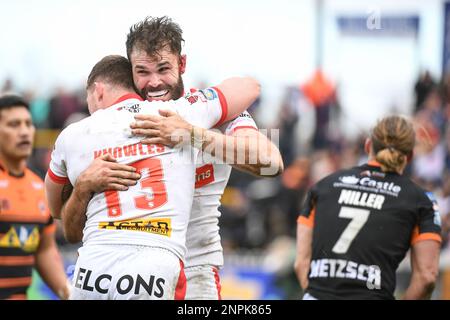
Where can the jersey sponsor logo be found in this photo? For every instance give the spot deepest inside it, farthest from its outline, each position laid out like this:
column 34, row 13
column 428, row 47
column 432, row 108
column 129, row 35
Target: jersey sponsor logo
column 344, row 269
column 368, row 184
column 133, row 150
column 349, row 180
column 25, row 237
column 366, row 173
column 209, row 94
column 363, row 199
column 192, row 99
column 161, row 226
column 204, row 175
column 153, row 285
column 369, row 173
column 134, row 108
column 244, row 115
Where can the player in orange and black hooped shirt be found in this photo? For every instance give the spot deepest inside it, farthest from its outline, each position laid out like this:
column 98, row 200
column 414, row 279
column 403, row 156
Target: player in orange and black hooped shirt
column 357, row 225
column 26, row 227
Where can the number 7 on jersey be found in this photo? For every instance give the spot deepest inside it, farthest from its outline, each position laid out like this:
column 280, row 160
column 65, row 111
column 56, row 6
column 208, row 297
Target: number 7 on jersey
column 359, row 218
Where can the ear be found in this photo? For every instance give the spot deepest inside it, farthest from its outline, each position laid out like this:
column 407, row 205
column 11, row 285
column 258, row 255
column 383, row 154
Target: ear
column 99, row 89
column 182, row 63
column 368, row 145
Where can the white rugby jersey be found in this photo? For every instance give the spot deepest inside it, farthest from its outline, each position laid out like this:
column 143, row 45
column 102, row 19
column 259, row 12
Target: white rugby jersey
column 203, row 238
column 155, row 212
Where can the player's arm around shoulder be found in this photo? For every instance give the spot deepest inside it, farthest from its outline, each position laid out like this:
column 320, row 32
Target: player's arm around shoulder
column 104, row 173
column 239, row 93
column 227, row 100
column 262, row 157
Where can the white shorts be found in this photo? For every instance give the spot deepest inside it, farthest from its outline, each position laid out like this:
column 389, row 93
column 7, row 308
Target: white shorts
column 127, row 272
column 203, row 283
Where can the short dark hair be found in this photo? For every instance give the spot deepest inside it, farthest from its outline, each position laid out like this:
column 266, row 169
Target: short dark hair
column 153, row 34
column 11, row 101
column 114, row 70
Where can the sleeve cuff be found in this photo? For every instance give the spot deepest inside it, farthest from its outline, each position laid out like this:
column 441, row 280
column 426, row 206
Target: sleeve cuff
column 223, row 104
column 308, row 222
column 242, row 127
column 426, row 236
column 56, row 179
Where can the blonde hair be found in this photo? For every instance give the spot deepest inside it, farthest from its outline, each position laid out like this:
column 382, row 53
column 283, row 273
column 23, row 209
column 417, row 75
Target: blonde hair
column 393, row 140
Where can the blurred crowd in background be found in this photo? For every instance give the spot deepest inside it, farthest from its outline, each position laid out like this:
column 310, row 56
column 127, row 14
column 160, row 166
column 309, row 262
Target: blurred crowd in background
column 259, row 216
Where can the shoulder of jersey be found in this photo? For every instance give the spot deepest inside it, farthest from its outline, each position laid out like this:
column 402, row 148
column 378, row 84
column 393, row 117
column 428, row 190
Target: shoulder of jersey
column 338, row 175
column 78, row 124
column 423, row 194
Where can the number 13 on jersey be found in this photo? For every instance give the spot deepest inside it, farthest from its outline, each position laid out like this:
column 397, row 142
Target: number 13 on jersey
column 151, row 186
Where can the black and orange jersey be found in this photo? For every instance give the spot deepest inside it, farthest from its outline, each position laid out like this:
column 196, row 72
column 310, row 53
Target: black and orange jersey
column 364, row 221
column 24, row 217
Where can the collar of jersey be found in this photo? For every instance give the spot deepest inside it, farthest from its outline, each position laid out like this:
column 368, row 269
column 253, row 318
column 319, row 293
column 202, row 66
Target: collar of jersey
column 3, row 168
column 128, row 96
column 374, row 163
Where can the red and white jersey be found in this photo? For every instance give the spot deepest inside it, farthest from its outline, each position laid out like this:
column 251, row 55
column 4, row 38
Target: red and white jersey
column 156, row 211
column 203, row 239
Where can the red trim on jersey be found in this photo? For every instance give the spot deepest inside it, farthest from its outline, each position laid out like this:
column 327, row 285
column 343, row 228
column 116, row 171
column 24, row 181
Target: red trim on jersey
column 217, row 281
column 307, row 221
column 129, row 96
column 224, row 105
column 243, row 127
column 180, row 290
column 57, row 179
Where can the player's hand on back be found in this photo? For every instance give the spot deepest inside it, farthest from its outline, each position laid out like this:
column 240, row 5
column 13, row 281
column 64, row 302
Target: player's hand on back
column 169, row 129
column 105, row 173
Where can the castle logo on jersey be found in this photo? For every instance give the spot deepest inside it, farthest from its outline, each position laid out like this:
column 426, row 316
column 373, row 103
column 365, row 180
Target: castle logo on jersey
column 25, row 237
column 368, row 184
column 161, row 226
